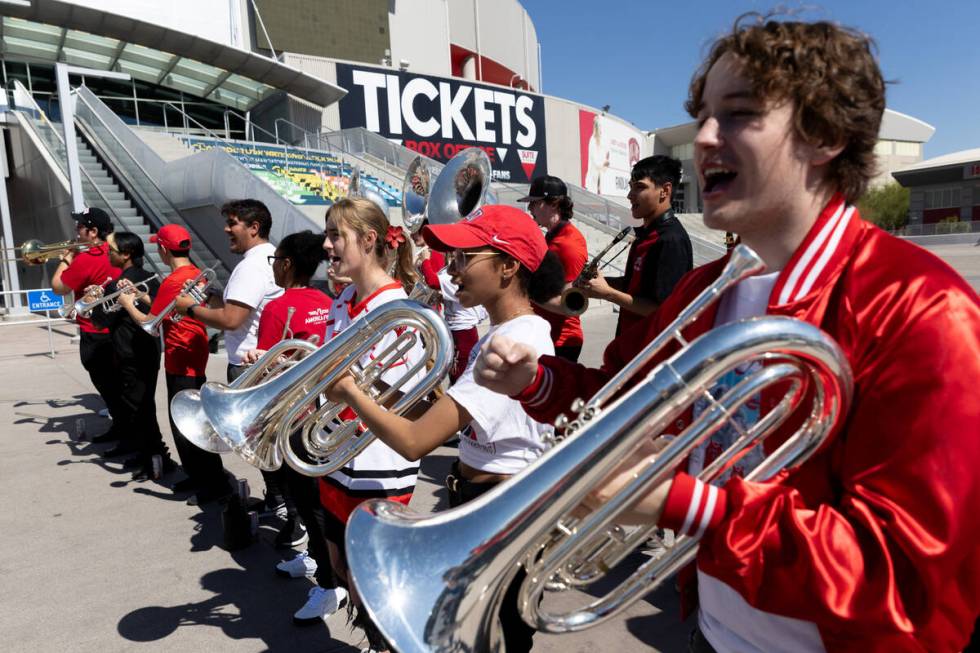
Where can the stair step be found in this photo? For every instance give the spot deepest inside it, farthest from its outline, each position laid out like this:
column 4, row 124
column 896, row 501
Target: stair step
column 126, row 213
column 139, row 229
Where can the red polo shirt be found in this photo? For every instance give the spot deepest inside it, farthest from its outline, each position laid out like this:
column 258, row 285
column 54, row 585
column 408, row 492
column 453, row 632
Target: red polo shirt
column 185, row 343
column 569, row 244
column 89, row 268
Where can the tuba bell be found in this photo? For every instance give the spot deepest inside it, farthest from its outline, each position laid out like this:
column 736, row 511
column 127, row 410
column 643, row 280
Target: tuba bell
column 435, row 583
column 189, row 415
column 286, row 411
column 358, row 188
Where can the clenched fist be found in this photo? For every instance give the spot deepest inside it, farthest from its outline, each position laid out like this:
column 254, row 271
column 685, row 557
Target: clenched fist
column 505, row 366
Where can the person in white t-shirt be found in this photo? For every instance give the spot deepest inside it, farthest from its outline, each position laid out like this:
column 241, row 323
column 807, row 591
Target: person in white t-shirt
column 250, row 287
column 377, row 258
column 498, row 258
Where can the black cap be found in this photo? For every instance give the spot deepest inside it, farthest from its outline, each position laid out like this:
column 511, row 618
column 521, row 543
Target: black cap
column 545, row 187
column 93, row 218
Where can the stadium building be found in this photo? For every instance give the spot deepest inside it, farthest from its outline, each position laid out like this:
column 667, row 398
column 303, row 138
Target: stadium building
column 282, row 99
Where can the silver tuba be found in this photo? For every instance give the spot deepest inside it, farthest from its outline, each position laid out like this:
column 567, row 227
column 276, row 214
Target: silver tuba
column 462, row 187
column 285, row 411
column 435, row 583
column 189, row 416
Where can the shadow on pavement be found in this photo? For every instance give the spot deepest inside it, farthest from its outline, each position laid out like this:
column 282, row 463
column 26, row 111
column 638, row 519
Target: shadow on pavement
column 249, row 602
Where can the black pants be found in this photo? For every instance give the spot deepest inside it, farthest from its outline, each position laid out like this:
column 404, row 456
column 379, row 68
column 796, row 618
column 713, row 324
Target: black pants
column 138, row 386
column 275, row 483
column 304, row 494
column 697, row 643
column 569, row 352
column 203, row 467
column 518, row 636
column 95, row 351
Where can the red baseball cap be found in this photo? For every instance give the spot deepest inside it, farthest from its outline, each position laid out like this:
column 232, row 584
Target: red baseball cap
column 173, row 237
column 505, row 228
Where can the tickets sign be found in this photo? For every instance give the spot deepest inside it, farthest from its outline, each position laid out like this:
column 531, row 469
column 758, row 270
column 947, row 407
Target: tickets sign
column 437, row 117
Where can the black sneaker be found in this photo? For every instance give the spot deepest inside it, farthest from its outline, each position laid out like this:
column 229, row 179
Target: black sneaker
column 293, row 533
column 136, row 462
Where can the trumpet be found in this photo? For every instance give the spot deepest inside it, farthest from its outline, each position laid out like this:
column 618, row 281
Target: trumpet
column 69, row 311
column 34, row 252
column 282, row 419
column 189, row 415
column 444, row 596
column 206, row 276
column 573, row 300
column 110, row 303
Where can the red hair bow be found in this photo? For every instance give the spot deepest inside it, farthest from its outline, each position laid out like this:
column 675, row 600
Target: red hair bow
column 394, row 237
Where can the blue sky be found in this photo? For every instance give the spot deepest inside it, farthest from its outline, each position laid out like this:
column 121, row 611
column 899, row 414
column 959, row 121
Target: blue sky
column 638, row 55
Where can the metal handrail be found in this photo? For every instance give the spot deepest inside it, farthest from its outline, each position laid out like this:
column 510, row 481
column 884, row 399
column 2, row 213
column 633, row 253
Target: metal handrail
column 160, row 217
column 84, row 172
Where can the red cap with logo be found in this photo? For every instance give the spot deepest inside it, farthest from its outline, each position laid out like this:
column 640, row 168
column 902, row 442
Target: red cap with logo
column 504, row 228
column 173, row 237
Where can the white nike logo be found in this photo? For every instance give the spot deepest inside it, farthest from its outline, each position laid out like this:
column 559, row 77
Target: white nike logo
column 497, row 239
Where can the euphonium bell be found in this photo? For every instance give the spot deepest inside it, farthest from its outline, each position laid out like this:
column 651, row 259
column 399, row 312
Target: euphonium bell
column 435, row 583
column 34, row 252
column 189, row 415
column 255, row 420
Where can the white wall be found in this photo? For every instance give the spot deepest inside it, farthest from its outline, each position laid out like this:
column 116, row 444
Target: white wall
column 419, row 31
column 209, row 19
column 507, row 34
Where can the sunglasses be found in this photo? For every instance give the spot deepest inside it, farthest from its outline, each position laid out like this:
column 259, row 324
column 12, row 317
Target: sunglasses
column 460, row 260
column 273, row 259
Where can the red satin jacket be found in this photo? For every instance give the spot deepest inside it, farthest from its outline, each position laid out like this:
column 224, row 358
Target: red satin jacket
column 876, row 538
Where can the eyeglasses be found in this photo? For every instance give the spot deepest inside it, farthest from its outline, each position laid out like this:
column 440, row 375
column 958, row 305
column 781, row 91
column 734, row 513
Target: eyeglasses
column 273, row 259
column 460, row 260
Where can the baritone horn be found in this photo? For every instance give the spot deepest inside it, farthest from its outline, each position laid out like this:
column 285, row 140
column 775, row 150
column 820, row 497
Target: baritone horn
column 205, row 277
column 286, row 412
column 435, row 583
column 573, row 300
column 189, row 415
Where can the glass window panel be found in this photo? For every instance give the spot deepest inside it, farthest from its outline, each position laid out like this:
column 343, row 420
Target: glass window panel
column 30, row 30
column 883, row 148
column 199, row 71
column 139, row 70
column 245, row 86
column 185, row 84
column 907, row 149
column 91, row 42
column 16, row 45
column 85, row 58
column 147, row 56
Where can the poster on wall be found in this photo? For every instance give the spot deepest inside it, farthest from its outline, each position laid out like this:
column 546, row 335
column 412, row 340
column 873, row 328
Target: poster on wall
column 609, row 150
column 437, row 117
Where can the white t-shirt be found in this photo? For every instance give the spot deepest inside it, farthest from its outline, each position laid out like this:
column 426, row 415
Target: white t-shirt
column 501, row 438
column 458, row 317
column 728, row 622
column 377, row 469
column 253, row 284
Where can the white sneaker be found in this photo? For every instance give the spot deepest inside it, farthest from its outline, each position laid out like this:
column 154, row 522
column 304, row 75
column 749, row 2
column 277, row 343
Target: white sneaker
column 321, row 604
column 299, row 567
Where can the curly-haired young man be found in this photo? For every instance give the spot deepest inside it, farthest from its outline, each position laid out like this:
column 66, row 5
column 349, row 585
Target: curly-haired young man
column 871, row 545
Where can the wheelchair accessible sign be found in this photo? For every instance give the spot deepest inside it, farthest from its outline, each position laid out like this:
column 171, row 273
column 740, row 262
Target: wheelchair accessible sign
column 45, row 299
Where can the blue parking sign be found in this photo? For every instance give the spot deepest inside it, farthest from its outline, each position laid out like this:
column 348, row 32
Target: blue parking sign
column 42, row 300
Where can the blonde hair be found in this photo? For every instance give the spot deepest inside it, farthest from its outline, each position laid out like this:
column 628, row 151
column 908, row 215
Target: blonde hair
column 363, row 216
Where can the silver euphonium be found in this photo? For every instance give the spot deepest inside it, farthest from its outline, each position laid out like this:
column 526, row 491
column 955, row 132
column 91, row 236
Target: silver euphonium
column 435, row 583
column 190, row 418
column 110, row 303
column 205, row 276
column 286, row 412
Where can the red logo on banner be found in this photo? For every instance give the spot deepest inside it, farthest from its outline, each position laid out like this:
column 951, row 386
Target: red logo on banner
column 529, row 159
column 634, row 149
